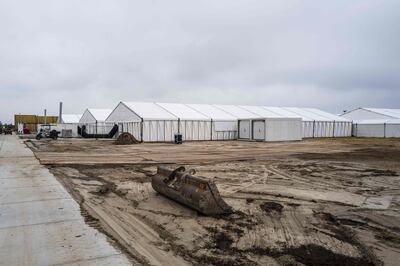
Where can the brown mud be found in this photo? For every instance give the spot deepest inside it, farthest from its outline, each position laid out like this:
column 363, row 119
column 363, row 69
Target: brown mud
column 316, row 202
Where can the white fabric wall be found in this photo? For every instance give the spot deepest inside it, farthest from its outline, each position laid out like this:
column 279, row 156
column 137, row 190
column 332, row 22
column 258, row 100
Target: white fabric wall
column 164, row 130
column 102, row 127
column 159, row 130
column 87, row 117
column 224, row 130
column 377, row 130
column 133, row 128
column 195, row 130
column 307, row 129
column 276, row 129
column 371, row 130
column 393, row 130
column 69, row 126
column 122, row 113
column 283, row 129
column 324, row 129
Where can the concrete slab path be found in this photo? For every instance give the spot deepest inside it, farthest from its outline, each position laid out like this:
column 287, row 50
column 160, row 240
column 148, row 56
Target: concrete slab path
column 40, row 224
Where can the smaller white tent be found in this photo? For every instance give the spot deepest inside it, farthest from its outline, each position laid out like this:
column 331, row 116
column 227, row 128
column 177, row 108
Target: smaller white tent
column 375, row 122
column 359, row 114
column 70, row 118
column 69, row 125
column 95, row 121
column 92, row 115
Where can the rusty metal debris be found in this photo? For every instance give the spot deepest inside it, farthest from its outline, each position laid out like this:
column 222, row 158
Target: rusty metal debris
column 196, row 192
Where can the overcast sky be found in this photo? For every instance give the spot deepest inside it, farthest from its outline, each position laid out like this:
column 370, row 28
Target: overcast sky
column 333, row 55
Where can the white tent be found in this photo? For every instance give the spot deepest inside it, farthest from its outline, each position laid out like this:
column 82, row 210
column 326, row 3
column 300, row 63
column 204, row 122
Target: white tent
column 70, row 118
column 69, row 125
column 95, row 121
column 160, row 121
column 92, row 115
column 375, row 122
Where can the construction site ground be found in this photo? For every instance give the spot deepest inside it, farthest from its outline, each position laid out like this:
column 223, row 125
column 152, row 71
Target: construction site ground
column 314, row 202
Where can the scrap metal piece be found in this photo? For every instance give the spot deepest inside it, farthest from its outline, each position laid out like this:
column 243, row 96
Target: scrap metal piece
column 196, row 192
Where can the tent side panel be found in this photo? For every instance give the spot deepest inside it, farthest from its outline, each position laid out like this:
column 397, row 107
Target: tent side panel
column 159, row 130
column 69, row 126
column 283, row 129
column 122, row 114
column 393, row 130
column 195, row 130
column 370, row 130
column 224, row 130
column 87, row 117
column 307, row 129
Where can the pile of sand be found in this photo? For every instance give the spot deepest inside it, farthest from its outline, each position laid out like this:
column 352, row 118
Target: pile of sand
column 126, row 139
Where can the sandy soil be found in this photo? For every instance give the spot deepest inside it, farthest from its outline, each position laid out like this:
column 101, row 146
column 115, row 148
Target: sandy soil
column 315, row 202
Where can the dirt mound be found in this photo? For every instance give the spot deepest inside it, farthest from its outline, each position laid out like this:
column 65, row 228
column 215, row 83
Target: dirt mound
column 126, row 139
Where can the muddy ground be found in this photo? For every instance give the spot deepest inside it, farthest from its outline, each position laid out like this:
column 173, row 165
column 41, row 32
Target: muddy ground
column 315, row 202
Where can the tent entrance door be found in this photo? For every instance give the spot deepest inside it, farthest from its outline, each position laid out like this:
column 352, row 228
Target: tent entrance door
column 259, row 130
column 244, row 129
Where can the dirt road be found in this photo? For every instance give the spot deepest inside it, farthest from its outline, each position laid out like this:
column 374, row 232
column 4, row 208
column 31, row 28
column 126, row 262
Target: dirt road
column 316, row 202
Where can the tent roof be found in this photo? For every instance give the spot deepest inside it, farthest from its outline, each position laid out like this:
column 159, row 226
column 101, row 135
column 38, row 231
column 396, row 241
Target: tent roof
column 260, row 111
column 237, row 111
column 70, row 118
column 212, row 112
column 327, row 115
column 150, row 111
column 395, row 113
column 183, row 111
column 100, row 114
column 310, row 114
column 377, row 121
column 173, row 111
column 285, row 113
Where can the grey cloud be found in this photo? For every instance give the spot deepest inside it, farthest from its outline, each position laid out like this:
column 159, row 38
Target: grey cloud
column 333, row 55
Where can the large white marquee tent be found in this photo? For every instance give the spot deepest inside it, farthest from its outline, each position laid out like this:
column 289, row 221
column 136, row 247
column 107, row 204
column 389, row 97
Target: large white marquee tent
column 375, row 122
column 160, row 121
